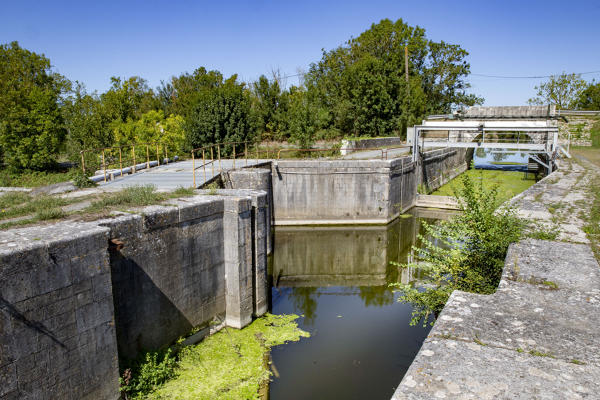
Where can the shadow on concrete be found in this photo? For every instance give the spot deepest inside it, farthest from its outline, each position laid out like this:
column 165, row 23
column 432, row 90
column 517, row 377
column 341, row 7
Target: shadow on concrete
column 145, row 317
column 33, row 325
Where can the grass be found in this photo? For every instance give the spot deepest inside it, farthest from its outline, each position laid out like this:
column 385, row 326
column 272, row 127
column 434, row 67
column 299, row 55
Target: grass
column 231, row 364
column 507, row 163
column 46, row 207
column 589, row 153
column 32, row 178
column 592, row 219
column 510, row 183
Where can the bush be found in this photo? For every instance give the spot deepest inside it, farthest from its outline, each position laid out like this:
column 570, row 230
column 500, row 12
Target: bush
column 147, row 373
column 465, row 252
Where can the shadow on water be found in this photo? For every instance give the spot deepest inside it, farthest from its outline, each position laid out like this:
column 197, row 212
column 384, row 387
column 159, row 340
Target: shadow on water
column 337, row 279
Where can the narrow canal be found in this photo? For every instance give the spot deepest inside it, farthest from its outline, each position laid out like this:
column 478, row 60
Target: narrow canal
column 337, row 280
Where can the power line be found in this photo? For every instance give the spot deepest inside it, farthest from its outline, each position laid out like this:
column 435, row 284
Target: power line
column 475, row 74
column 530, row 77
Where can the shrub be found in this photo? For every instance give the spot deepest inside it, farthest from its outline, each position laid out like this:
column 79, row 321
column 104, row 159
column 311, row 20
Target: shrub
column 147, row 373
column 465, row 252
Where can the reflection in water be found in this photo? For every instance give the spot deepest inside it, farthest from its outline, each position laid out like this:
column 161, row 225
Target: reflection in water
column 337, row 280
column 500, row 159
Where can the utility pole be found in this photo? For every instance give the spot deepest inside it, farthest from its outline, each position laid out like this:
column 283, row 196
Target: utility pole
column 406, row 64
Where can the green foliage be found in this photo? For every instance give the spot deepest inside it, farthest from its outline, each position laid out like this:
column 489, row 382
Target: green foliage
column 269, row 108
column 363, row 84
column 230, row 364
column 589, row 99
column 147, row 373
column 213, row 109
column 87, row 120
column 31, row 124
column 465, row 252
column 80, row 179
column 152, row 127
column 563, row 90
column 28, row 178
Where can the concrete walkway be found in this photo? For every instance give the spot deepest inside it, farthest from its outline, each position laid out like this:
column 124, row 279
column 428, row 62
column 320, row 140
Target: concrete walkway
column 177, row 174
column 536, row 337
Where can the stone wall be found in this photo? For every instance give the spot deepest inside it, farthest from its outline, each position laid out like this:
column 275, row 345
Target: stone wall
column 441, row 166
column 579, row 129
column 57, row 337
column 76, row 296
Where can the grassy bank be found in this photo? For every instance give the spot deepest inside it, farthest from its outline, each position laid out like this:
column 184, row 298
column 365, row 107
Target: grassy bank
column 231, row 364
column 589, row 153
column 510, row 183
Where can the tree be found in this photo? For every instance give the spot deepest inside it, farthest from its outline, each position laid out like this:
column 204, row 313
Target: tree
column 562, row 90
column 31, row 124
column 129, row 98
column 364, row 85
column 87, row 122
column 214, row 110
column 589, row 99
column 152, row 127
column 269, row 106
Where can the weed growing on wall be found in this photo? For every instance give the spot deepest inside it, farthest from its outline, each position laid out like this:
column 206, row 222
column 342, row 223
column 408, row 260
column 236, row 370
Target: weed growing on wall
column 465, row 252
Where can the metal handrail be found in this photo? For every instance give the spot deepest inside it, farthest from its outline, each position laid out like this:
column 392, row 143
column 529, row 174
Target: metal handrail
column 103, row 150
column 302, row 150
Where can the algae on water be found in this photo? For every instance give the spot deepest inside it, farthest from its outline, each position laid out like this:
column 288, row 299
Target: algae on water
column 231, row 363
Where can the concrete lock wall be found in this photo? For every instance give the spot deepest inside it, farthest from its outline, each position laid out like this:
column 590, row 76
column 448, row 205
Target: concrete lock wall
column 75, row 296
column 440, row 166
column 353, row 192
column 314, row 192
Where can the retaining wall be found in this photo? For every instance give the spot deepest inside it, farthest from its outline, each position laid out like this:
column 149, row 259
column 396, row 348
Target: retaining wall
column 441, row 166
column 72, row 299
column 329, row 192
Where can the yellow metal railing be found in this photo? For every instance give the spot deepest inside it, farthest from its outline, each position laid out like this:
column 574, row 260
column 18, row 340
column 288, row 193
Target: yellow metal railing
column 120, row 157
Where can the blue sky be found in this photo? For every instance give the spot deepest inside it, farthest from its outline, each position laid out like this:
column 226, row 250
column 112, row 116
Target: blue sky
column 92, row 41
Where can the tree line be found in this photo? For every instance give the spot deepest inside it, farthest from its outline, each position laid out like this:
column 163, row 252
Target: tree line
column 357, row 89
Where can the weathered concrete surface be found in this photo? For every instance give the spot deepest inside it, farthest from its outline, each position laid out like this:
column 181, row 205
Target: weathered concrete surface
column 57, row 338
column 535, row 338
column 558, row 202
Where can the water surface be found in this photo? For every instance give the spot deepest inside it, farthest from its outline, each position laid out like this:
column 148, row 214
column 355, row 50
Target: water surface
column 337, row 279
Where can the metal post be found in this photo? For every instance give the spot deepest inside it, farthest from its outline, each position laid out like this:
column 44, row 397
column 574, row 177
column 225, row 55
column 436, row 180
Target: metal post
column 157, row 156
column 147, row 158
column 166, row 155
column 219, row 155
column 103, row 165
column 120, row 161
column 212, row 161
column 133, row 166
column 204, row 165
column 234, row 156
column 83, row 162
column 194, row 168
